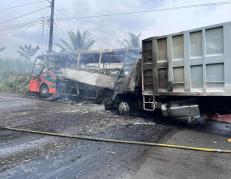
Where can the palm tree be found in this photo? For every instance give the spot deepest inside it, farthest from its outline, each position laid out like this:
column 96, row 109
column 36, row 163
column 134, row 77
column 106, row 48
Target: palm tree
column 76, row 41
column 132, row 42
column 2, row 49
column 27, row 51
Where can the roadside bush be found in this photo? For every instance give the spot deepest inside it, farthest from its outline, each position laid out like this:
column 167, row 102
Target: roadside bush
column 14, row 76
column 14, row 83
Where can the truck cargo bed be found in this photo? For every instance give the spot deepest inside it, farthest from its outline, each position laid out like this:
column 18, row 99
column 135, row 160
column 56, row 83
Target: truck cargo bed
column 191, row 63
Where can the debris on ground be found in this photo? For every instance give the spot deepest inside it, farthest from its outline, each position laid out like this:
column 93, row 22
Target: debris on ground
column 34, row 156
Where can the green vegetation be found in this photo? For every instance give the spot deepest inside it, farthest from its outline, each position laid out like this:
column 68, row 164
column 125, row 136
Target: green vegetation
column 27, row 51
column 14, row 75
column 14, row 83
column 76, row 41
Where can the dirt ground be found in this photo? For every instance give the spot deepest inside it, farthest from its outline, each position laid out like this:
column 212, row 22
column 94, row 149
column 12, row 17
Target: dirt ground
column 24, row 155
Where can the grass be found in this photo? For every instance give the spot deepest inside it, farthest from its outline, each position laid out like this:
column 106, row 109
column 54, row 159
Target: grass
column 14, row 83
column 14, row 76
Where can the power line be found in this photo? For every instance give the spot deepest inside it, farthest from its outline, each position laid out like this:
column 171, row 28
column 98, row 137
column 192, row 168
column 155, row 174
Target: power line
column 76, row 22
column 22, row 5
column 69, row 18
column 22, row 20
column 22, row 28
column 23, row 15
column 18, row 24
column 18, row 27
column 149, row 11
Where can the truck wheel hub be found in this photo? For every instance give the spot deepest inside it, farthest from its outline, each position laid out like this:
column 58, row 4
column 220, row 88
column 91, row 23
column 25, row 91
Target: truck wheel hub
column 124, row 107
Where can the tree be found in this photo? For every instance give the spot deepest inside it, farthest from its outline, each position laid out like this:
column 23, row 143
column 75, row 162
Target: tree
column 27, row 51
column 132, row 42
column 2, row 49
column 76, row 41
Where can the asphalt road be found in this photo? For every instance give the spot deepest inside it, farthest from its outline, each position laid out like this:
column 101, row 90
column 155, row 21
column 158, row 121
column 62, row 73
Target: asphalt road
column 24, row 155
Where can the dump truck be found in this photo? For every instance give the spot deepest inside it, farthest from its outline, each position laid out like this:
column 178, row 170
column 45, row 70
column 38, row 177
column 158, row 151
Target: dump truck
column 185, row 75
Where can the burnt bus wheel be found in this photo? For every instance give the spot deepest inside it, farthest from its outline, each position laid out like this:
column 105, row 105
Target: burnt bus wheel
column 44, row 91
column 124, row 108
column 108, row 104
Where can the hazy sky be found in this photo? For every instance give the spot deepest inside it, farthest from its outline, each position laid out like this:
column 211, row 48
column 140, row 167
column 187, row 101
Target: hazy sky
column 106, row 30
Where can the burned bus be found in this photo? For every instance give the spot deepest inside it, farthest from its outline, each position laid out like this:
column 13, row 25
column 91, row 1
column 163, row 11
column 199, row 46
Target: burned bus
column 49, row 74
column 46, row 74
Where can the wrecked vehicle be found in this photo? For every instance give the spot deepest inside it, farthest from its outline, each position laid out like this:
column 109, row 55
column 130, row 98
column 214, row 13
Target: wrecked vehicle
column 127, row 95
column 187, row 74
column 46, row 78
column 184, row 75
column 97, row 70
column 87, row 73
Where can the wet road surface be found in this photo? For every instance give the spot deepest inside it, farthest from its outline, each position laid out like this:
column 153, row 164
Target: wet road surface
column 24, row 155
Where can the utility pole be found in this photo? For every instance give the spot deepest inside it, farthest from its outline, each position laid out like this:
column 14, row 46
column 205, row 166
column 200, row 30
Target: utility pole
column 43, row 26
column 51, row 26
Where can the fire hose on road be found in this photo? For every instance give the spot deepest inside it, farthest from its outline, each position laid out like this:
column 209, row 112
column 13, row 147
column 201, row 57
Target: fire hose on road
column 97, row 139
